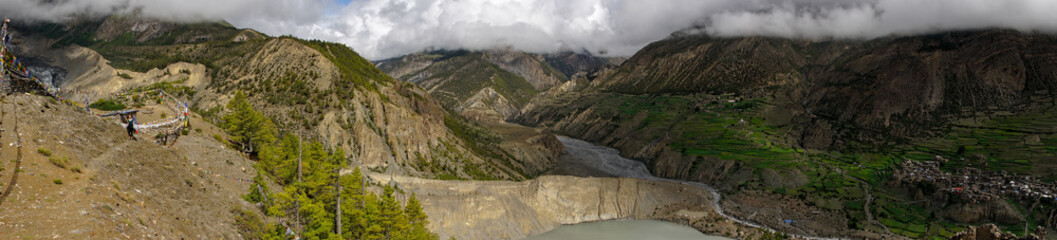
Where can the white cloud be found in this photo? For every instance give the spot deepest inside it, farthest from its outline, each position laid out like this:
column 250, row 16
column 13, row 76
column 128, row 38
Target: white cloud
column 294, row 11
column 387, row 28
column 869, row 19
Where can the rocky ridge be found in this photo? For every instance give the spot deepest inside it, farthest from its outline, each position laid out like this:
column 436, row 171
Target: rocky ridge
column 321, row 91
column 491, row 84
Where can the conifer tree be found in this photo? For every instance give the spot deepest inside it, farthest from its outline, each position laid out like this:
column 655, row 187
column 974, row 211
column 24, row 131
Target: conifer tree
column 249, row 129
column 417, row 220
column 365, row 215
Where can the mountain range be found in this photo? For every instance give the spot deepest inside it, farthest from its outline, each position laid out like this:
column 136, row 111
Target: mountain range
column 818, row 130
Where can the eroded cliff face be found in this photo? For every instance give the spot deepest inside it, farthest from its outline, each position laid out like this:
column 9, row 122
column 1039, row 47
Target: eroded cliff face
column 513, row 210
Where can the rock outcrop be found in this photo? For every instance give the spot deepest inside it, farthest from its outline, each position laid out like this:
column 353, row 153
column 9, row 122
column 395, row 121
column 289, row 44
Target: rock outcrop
column 993, row 211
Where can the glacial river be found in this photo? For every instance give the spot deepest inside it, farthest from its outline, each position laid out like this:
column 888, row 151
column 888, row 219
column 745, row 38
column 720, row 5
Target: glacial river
column 608, row 161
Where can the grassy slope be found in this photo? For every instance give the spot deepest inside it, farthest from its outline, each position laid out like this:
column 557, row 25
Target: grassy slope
column 355, row 71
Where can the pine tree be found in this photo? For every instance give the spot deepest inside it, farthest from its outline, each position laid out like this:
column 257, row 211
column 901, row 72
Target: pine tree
column 352, row 210
column 374, row 227
column 256, row 189
column 248, row 128
column 365, row 215
column 392, row 215
column 280, row 161
column 283, row 202
column 417, row 220
column 319, row 222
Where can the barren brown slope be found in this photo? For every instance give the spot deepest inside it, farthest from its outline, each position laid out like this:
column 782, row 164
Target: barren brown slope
column 125, row 189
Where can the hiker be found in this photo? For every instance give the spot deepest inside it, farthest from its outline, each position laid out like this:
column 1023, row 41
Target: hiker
column 131, row 129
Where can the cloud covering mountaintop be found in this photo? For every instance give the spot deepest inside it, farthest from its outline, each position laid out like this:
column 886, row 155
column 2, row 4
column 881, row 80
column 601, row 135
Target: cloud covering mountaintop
column 388, row 28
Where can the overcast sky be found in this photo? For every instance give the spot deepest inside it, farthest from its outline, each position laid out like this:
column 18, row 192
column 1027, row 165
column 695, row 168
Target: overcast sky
column 386, row 28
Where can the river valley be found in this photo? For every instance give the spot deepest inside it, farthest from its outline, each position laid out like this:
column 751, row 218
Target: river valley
column 591, row 184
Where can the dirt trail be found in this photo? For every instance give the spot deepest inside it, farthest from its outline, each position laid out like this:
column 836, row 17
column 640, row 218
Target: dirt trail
column 866, row 206
column 18, row 159
column 111, row 187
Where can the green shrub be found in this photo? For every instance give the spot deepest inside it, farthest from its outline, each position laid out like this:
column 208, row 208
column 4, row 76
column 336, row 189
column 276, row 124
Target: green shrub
column 124, row 75
column 107, row 105
column 57, row 181
column 250, row 225
column 44, row 151
column 61, row 162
